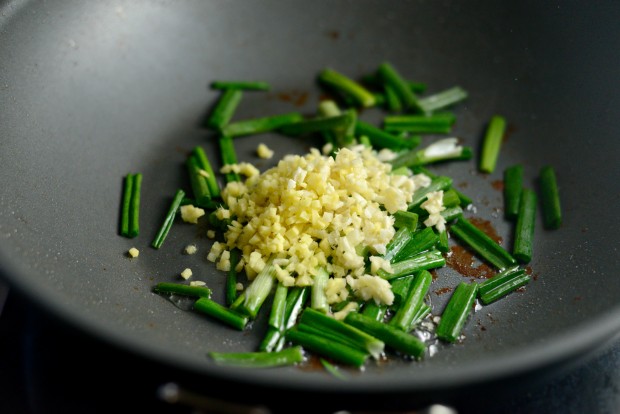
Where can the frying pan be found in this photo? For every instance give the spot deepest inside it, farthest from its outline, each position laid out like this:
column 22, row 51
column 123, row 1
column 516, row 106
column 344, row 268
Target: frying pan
column 90, row 91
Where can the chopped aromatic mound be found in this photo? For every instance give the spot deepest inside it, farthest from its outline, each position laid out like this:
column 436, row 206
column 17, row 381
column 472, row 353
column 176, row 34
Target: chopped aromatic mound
column 316, row 211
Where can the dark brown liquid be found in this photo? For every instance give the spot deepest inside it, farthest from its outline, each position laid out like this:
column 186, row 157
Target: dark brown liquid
column 465, row 263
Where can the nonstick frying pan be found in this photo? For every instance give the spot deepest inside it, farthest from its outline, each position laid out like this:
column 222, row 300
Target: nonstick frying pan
column 90, row 91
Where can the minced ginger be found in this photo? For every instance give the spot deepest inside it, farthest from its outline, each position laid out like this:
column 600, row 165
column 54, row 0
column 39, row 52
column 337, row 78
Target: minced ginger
column 316, row 211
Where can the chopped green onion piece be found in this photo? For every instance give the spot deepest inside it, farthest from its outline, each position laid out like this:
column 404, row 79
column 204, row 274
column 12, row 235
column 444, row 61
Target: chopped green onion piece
column 491, row 143
column 390, row 76
column 272, row 341
column 222, row 313
column 550, row 198
column 332, row 369
column 229, row 156
column 205, row 165
column 502, row 284
column 391, row 99
column 421, row 124
column 400, row 289
column 278, row 308
column 231, row 277
column 437, row 183
column 400, row 239
column 442, row 150
column 513, row 183
column 258, row 290
column 130, row 213
column 382, row 139
column 443, row 245
column 327, row 348
column 348, row 87
column 181, row 289
column 288, row 356
column 198, row 182
column 242, row 85
column 423, row 310
column 443, row 99
column 260, row 125
column 328, row 324
column 319, row 124
column 482, row 244
column 422, row 261
column 224, row 108
column 318, row 298
column 406, row 219
column 420, row 241
column 295, row 302
column 126, row 205
column 456, row 312
column 524, row 229
column 465, row 200
column 407, row 311
column 392, row 337
column 167, row 224
column 374, row 311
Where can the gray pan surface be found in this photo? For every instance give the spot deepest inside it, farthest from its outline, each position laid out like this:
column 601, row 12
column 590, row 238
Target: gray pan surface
column 90, row 91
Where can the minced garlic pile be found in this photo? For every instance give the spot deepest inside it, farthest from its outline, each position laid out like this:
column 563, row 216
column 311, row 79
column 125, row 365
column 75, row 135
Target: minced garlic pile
column 317, row 211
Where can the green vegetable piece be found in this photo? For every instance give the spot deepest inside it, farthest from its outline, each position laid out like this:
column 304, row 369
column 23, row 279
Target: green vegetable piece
column 260, row 125
column 126, row 205
column 224, row 109
column 169, row 219
column 258, row 290
column 288, row 356
column 348, row 87
column 198, row 182
column 329, row 325
column 327, row 348
column 181, row 289
column 483, row 245
column 457, row 311
column 391, row 336
column 406, row 219
column 130, row 213
column 229, row 156
column 390, row 76
column 550, row 198
column 524, row 229
column 491, row 143
column 502, row 284
column 404, row 316
column 420, row 124
column 513, row 184
column 382, row 139
column 437, row 183
column 443, row 99
column 205, row 165
column 423, row 261
column 221, row 313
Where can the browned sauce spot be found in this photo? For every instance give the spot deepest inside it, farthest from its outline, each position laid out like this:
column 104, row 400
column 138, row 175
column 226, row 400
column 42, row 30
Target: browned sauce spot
column 333, row 34
column 487, row 228
column 498, row 185
column 434, row 274
column 443, row 290
column 463, row 184
column 510, row 129
column 297, row 98
column 464, row 262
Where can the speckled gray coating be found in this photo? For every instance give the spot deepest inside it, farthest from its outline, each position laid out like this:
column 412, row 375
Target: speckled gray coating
column 92, row 90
